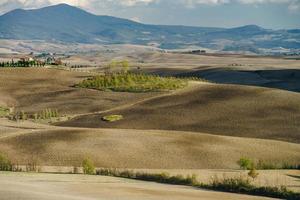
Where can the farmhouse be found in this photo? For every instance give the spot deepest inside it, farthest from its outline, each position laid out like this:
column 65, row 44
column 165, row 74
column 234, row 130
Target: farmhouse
column 26, row 59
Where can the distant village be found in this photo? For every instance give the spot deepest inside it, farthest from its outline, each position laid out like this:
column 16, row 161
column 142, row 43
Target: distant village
column 32, row 60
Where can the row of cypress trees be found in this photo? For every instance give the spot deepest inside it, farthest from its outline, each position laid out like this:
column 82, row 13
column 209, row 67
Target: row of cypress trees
column 22, row 64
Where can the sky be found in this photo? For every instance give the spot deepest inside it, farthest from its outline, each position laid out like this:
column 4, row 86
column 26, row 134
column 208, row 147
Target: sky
column 273, row 14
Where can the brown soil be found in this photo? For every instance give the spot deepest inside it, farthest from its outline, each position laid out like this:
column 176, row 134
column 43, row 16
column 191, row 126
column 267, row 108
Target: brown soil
column 35, row 89
column 216, row 109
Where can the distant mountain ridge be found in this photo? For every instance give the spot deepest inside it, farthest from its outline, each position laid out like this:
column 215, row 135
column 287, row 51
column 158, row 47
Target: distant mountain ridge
column 65, row 23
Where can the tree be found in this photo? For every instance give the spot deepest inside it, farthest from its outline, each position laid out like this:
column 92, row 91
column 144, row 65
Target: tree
column 253, row 173
column 112, row 65
column 125, row 66
column 5, row 164
column 88, row 166
column 23, row 116
column 56, row 114
column 35, row 116
column 245, row 163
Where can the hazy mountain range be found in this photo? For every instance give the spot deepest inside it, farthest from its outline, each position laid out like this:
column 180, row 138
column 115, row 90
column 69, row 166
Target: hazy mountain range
column 64, row 23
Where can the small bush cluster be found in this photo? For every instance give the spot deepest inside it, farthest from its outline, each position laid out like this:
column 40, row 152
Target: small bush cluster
column 115, row 65
column 271, row 165
column 5, row 164
column 248, row 164
column 4, row 112
column 253, row 173
column 18, row 116
column 88, row 166
column 46, row 114
column 43, row 115
column 112, row 118
column 130, row 82
column 230, row 184
column 245, row 163
column 244, row 186
column 160, row 178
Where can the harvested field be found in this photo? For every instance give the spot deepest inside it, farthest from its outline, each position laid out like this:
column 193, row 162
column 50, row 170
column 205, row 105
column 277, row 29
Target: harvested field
column 201, row 129
column 35, row 89
column 140, row 149
column 216, row 109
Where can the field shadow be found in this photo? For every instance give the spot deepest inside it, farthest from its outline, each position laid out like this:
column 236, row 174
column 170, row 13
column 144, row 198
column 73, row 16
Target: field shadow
column 294, row 176
column 287, row 79
column 39, row 142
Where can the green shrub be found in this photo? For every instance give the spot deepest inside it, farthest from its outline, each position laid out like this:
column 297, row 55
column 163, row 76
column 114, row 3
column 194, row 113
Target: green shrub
column 88, row 166
column 160, row 178
column 241, row 185
column 275, row 192
column 245, row 163
column 253, row 173
column 5, row 163
column 231, row 184
column 112, row 118
column 4, row 112
column 23, row 116
column 113, row 65
column 45, row 114
column 129, row 82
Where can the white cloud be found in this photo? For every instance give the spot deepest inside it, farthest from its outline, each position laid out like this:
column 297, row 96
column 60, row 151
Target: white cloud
column 293, row 5
column 194, row 2
column 136, row 19
column 135, row 2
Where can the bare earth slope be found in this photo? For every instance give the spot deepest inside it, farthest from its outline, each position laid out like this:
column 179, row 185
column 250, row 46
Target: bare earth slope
column 35, row 89
column 216, row 109
column 138, row 148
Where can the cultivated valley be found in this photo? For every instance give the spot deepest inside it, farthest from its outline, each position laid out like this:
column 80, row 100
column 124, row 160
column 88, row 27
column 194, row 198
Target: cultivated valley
column 129, row 121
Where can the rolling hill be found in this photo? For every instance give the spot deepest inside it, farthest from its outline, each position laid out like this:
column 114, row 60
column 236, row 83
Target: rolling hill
column 230, row 110
column 64, row 23
column 143, row 149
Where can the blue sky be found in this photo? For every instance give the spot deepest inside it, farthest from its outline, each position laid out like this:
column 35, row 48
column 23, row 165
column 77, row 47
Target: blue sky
column 275, row 14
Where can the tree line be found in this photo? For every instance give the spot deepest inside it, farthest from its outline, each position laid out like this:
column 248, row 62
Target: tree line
column 22, row 63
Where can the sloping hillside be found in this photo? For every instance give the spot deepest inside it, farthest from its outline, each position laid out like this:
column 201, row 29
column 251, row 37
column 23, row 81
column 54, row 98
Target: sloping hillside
column 139, row 148
column 217, row 109
column 35, row 89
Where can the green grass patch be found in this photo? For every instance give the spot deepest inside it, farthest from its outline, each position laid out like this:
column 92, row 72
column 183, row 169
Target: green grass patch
column 235, row 185
column 5, row 163
column 4, row 112
column 112, row 118
column 131, row 82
